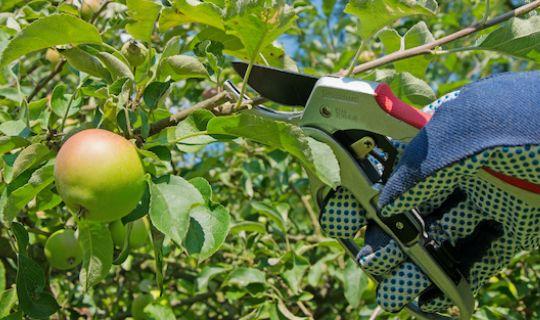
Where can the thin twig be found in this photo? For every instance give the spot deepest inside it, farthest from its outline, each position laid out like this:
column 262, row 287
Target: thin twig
column 213, row 102
column 46, row 80
column 376, row 313
column 355, row 58
column 191, row 300
column 428, row 47
column 221, row 104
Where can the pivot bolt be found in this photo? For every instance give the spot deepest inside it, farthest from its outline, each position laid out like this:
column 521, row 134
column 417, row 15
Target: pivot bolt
column 399, row 225
column 325, row 112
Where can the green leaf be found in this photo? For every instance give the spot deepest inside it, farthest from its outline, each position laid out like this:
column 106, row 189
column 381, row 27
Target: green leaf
column 97, row 246
column 14, row 316
column 249, row 226
column 171, row 202
column 9, row 143
column 271, row 54
column 518, row 37
column 258, row 23
column 407, row 87
column 6, row 5
column 31, row 285
column 188, row 131
column 116, row 67
column 40, row 179
column 271, row 214
column 328, row 7
column 29, row 157
column 34, row 300
column 53, row 30
column 8, row 299
column 355, row 282
column 159, row 312
column 142, row 15
column 85, row 62
column 154, row 92
column 418, row 35
column 15, row 128
column 186, row 11
column 204, row 188
column 373, row 15
column 180, row 67
column 208, row 229
column 21, row 235
column 245, row 276
column 314, row 155
column 60, row 101
column 294, row 274
column 2, row 277
column 206, row 275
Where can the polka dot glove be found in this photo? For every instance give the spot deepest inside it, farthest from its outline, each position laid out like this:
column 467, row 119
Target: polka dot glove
column 485, row 207
column 485, row 220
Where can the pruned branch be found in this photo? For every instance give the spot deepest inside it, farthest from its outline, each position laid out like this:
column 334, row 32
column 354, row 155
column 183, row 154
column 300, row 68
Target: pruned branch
column 428, row 47
column 210, row 103
column 221, row 103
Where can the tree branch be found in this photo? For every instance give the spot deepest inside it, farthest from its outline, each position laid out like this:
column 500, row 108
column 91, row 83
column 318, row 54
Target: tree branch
column 46, row 80
column 221, row 103
column 211, row 103
column 428, row 47
column 191, row 300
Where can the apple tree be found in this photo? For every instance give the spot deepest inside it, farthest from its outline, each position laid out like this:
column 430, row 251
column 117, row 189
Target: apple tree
column 134, row 185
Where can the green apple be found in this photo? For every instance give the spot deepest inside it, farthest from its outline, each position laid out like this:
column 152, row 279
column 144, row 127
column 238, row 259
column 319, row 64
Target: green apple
column 137, row 238
column 53, row 56
column 99, row 174
column 139, row 303
column 62, row 250
column 89, row 8
column 135, row 52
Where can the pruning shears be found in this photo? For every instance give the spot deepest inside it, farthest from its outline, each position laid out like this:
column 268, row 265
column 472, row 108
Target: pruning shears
column 358, row 119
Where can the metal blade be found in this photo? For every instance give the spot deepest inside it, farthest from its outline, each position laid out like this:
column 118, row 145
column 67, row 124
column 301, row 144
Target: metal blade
column 284, row 87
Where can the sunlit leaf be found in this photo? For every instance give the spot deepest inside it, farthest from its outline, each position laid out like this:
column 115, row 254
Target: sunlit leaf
column 418, row 35
column 143, row 15
column 355, row 282
column 170, row 205
column 258, row 23
column 187, row 11
column 315, row 155
column 373, row 15
column 97, row 246
column 518, row 37
column 53, row 30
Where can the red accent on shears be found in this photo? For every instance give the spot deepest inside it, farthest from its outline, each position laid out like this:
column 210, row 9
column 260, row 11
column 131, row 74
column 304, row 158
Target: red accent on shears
column 399, row 109
column 516, row 182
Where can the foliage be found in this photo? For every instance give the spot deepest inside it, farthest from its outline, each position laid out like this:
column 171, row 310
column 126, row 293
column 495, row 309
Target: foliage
column 233, row 229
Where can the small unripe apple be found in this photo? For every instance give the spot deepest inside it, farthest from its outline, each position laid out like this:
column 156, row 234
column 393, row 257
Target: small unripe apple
column 137, row 238
column 53, row 56
column 89, row 7
column 62, row 250
column 139, row 303
column 100, row 175
column 135, row 52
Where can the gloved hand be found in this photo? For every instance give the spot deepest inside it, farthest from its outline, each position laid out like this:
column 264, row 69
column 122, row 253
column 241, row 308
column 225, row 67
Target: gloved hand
column 474, row 174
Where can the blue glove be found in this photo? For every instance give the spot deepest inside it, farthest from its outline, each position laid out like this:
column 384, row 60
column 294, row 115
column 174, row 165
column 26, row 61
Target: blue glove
column 474, row 174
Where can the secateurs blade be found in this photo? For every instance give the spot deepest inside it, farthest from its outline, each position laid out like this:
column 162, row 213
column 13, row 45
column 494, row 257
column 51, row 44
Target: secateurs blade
column 358, row 119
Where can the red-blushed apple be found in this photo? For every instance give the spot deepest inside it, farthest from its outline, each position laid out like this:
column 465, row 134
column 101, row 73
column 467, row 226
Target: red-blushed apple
column 99, row 174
